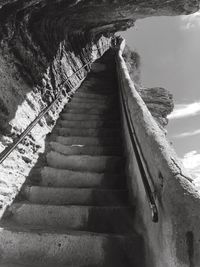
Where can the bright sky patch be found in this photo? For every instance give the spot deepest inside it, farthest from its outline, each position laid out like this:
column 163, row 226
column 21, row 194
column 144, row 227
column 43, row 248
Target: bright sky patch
column 185, row 110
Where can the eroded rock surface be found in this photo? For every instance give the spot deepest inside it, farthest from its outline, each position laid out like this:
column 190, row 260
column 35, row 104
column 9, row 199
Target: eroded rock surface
column 158, row 100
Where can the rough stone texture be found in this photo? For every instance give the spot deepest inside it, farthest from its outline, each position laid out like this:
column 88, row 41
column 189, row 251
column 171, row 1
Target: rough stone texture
column 158, row 100
column 174, row 240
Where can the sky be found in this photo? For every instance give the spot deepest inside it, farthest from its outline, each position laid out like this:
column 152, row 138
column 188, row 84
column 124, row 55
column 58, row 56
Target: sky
column 169, row 48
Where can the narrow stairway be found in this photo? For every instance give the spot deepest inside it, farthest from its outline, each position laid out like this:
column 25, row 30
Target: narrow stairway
column 76, row 212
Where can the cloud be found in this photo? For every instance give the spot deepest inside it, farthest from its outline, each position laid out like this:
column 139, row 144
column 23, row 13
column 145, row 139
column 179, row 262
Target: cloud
column 191, row 162
column 186, row 134
column 191, row 21
column 185, row 110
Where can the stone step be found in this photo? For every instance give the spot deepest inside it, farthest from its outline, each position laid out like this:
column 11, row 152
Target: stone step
column 74, row 196
column 83, row 218
column 85, row 150
column 85, row 117
column 89, row 124
column 90, row 141
column 10, row 264
column 73, row 104
column 73, row 179
column 100, row 90
column 92, row 111
column 7, row 264
column 85, row 162
column 88, row 95
column 73, row 248
column 108, row 100
column 92, row 132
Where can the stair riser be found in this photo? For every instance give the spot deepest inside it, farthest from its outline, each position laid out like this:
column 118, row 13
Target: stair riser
column 87, row 105
column 91, row 111
column 84, row 150
column 85, row 163
column 67, row 196
column 55, row 249
column 82, row 94
column 102, row 92
column 93, row 141
column 72, row 179
column 108, row 101
column 88, row 124
column 93, row 219
column 86, row 117
column 86, row 132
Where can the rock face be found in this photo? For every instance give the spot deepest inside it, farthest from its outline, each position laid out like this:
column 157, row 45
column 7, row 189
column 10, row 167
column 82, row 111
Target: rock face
column 41, row 44
column 158, row 100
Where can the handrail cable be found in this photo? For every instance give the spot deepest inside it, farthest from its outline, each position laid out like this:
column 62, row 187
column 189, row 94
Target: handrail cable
column 8, row 150
column 138, row 152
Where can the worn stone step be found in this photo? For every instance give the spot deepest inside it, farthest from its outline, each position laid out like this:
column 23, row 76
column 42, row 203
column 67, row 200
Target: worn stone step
column 100, row 90
column 74, row 196
column 83, row 218
column 10, row 264
column 72, row 248
column 73, row 179
column 108, row 100
column 92, row 132
column 91, row 105
column 82, row 140
column 7, row 264
column 85, row 162
column 89, row 124
column 86, row 150
column 88, row 95
column 85, row 117
column 93, row 111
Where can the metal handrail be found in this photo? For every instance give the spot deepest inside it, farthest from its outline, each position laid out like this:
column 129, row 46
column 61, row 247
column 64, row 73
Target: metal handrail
column 138, row 154
column 8, row 150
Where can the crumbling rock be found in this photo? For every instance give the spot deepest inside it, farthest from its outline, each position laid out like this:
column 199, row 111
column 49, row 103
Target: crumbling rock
column 159, row 102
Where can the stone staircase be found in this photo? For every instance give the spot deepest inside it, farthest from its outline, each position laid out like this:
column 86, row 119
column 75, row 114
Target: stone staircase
column 76, row 212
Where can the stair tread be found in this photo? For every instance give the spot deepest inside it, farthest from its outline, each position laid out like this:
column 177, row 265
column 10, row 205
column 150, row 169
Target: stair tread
column 84, row 117
column 90, row 173
column 86, row 140
column 90, row 132
column 85, row 162
column 75, row 196
column 107, row 101
column 104, row 219
column 53, row 177
column 51, row 231
column 93, row 120
column 104, row 123
column 78, row 149
column 90, row 146
column 73, row 248
column 77, row 189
